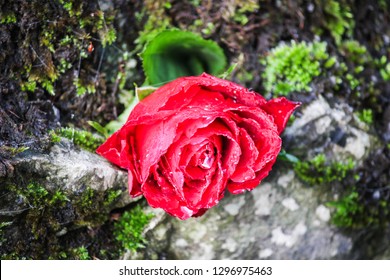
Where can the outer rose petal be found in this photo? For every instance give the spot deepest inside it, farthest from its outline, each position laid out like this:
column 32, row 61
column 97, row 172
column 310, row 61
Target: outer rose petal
column 237, row 188
column 281, row 109
column 154, row 103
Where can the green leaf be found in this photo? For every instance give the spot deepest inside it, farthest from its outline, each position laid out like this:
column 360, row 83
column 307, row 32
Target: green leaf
column 228, row 72
column 175, row 53
column 283, row 155
column 142, row 92
column 99, row 128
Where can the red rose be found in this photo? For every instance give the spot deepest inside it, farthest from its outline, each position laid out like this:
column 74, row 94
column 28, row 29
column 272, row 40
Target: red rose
column 187, row 142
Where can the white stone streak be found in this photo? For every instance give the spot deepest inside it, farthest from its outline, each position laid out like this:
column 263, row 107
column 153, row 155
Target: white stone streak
column 288, row 240
column 290, row 204
column 323, row 213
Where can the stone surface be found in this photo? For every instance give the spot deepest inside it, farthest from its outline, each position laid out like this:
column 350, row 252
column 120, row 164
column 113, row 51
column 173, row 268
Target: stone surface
column 335, row 131
column 256, row 230
column 282, row 218
column 52, row 199
column 71, row 169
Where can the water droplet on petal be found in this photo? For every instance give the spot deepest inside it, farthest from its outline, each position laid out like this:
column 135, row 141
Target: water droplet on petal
column 206, row 163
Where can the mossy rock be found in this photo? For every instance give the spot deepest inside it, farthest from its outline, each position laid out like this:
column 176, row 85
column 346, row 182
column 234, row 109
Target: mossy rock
column 69, row 190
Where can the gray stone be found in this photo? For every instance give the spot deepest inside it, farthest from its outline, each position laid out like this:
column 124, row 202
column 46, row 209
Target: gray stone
column 85, row 178
column 335, row 131
column 282, row 218
column 271, row 231
column 70, row 169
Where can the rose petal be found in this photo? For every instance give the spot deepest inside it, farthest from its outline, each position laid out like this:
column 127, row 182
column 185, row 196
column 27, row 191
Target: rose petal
column 116, row 149
column 209, row 195
column 237, row 188
column 160, row 194
column 244, row 170
column 268, row 146
column 134, row 186
column 214, row 191
column 232, row 90
column 281, row 110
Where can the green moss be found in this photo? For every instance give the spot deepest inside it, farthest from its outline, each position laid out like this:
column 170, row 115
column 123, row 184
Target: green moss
column 29, row 86
column 80, row 253
column 12, row 256
column 64, row 66
column 354, row 52
column 351, row 211
column 338, row 19
column 383, row 4
column 129, row 229
column 242, row 8
column 46, row 39
column 346, row 209
column 45, row 213
column 87, row 198
column 385, row 72
column 38, row 197
column 3, row 237
column 349, row 72
column 13, row 151
column 195, row 3
column 89, row 204
column 82, row 138
column 74, row 8
column 54, row 137
column 40, row 203
column 8, row 18
column 83, row 87
column 292, row 67
column 208, row 29
column 108, row 37
column 366, row 116
column 157, row 21
column 111, row 196
column 318, row 170
column 76, row 25
column 48, row 86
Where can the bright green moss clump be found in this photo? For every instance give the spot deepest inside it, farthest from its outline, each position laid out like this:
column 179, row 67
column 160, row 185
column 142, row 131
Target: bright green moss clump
column 128, row 230
column 82, row 138
column 7, row 18
column 366, row 116
column 292, row 67
column 38, row 197
column 339, row 19
column 346, row 209
column 319, row 171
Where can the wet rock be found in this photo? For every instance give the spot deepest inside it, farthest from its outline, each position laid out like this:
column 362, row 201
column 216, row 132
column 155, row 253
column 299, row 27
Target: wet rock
column 68, row 190
column 335, row 131
column 271, row 222
column 282, row 218
column 71, row 169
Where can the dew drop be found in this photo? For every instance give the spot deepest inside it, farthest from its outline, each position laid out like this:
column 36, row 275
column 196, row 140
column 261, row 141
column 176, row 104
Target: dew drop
column 206, row 163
